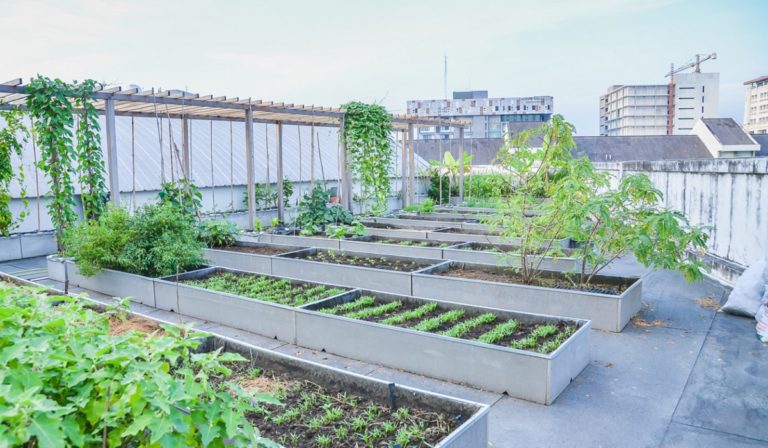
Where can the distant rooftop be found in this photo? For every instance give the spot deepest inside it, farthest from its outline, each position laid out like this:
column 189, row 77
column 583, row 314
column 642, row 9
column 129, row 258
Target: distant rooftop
column 759, row 80
column 727, row 131
column 642, row 148
column 470, row 95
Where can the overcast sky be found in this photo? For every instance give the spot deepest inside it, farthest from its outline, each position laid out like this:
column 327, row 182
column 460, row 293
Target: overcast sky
column 330, row 52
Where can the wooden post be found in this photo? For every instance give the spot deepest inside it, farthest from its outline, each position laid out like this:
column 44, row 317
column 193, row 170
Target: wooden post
column 461, row 164
column 411, row 168
column 186, row 161
column 403, row 170
column 250, row 168
column 279, row 162
column 345, row 192
column 114, row 184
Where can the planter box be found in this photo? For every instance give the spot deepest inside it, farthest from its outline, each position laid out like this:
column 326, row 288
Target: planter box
column 522, row 374
column 479, row 234
column 416, row 223
column 27, row 245
column 442, row 217
column 257, row 263
column 269, row 319
column 463, row 253
column 472, row 433
column 367, row 245
column 291, row 265
column 298, row 240
column 461, row 209
column 107, row 281
column 370, row 229
column 607, row 312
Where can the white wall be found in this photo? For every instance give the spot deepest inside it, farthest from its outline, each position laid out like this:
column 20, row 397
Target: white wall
column 729, row 194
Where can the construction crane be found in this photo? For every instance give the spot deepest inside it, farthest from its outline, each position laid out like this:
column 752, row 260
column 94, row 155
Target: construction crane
column 696, row 65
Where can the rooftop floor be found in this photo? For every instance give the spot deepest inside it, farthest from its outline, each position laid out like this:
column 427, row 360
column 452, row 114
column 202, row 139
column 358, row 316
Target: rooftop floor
column 680, row 375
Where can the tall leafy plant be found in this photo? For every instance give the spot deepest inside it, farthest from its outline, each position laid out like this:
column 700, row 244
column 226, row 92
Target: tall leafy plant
column 89, row 157
column 49, row 106
column 12, row 139
column 366, row 134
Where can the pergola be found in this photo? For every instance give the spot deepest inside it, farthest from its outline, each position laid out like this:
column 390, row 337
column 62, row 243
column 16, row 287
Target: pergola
column 115, row 101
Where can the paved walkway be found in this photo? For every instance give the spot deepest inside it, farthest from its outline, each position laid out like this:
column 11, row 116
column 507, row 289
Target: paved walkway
column 680, row 375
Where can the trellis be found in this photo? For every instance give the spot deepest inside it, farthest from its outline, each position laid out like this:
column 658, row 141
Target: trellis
column 185, row 106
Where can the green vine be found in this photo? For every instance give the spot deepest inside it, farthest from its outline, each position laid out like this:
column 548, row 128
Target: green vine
column 12, row 139
column 89, row 159
column 366, row 133
column 51, row 109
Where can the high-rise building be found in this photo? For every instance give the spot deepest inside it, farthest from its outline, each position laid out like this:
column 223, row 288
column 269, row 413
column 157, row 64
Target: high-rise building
column 649, row 109
column 488, row 115
column 756, row 106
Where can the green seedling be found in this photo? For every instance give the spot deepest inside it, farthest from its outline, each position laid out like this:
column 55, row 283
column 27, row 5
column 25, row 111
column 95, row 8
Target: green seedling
column 362, row 302
column 462, row 328
column 499, row 332
column 375, row 311
column 437, row 321
column 410, row 314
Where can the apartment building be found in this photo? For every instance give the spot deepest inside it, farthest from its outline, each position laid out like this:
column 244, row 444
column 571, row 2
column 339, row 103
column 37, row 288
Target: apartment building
column 756, row 106
column 627, row 110
column 489, row 116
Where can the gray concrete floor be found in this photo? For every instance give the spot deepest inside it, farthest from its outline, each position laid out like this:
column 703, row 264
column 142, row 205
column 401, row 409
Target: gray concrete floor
column 680, row 375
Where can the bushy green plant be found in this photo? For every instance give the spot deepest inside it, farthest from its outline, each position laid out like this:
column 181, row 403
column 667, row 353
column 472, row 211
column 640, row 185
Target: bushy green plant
column 156, row 241
column 66, row 381
column 12, row 138
column 265, row 195
column 218, row 232
column 183, row 195
column 315, row 213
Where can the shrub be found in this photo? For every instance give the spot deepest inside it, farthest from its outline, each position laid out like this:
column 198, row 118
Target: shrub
column 182, row 194
column 67, row 382
column 156, row 241
column 315, row 214
column 218, row 232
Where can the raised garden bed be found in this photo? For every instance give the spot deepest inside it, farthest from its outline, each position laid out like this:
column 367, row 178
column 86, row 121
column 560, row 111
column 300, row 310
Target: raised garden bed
column 257, row 303
column 414, row 223
column 354, row 269
column 27, row 245
column 528, row 356
column 444, row 217
column 404, row 247
column 481, row 234
column 107, row 281
column 505, row 254
column 447, row 214
column 247, row 256
column 609, row 306
column 391, row 231
column 299, row 240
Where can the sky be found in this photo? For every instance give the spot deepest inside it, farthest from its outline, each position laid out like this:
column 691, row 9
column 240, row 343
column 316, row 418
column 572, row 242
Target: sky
column 333, row 51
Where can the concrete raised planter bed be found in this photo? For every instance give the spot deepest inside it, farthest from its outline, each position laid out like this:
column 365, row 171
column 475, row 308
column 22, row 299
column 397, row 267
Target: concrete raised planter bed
column 607, row 312
column 27, row 245
column 435, row 217
column 393, row 232
column 522, row 374
column 269, row 319
column 373, row 245
column 300, row 241
column 461, row 209
column 107, row 281
column 260, row 264
column 474, row 253
column 293, row 266
column 480, row 234
column 416, row 223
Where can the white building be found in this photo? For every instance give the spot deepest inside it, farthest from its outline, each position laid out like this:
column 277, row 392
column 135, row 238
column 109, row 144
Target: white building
column 648, row 109
column 489, row 116
column 724, row 138
column 756, row 106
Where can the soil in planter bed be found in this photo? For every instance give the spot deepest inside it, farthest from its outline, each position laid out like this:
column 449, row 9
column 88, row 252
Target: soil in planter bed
column 484, row 247
column 260, row 250
column 469, row 232
column 373, row 261
column 547, row 282
column 408, row 243
column 119, row 326
column 474, row 332
column 312, row 416
column 265, row 288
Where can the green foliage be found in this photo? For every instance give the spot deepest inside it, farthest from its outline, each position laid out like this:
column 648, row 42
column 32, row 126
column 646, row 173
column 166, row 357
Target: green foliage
column 88, row 152
column 343, row 231
column 315, row 213
column 12, row 138
column 265, row 196
column 366, row 133
column 52, row 111
column 67, row 382
column 218, row 232
column 409, row 315
column 375, row 311
column 362, row 302
column 440, row 319
column 499, row 332
column 463, row 328
column 156, row 241
column 182, row 195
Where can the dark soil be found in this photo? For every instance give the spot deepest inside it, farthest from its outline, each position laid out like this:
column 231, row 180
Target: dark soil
column 260, row 250
column 376, row 262
column 119, row 326
column 310, row 403
column 560, row 282
column 523, row 330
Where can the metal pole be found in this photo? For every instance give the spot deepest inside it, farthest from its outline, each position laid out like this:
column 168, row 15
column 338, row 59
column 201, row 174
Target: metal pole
column 114, row 184
column 346, row 183
column 249, row 168
column 279, row 162
column 185, row 159
column 411, row 168
column 403, row 170
column 461, row 164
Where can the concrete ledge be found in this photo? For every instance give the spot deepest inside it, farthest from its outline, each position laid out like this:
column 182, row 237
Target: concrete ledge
column 417, row 223
column 298, row 240
column 607, row 312
column 463, row 253
column 10, row 248
column 27, row 245
column 396, row 233
column 522, row 374
column 363, row 244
